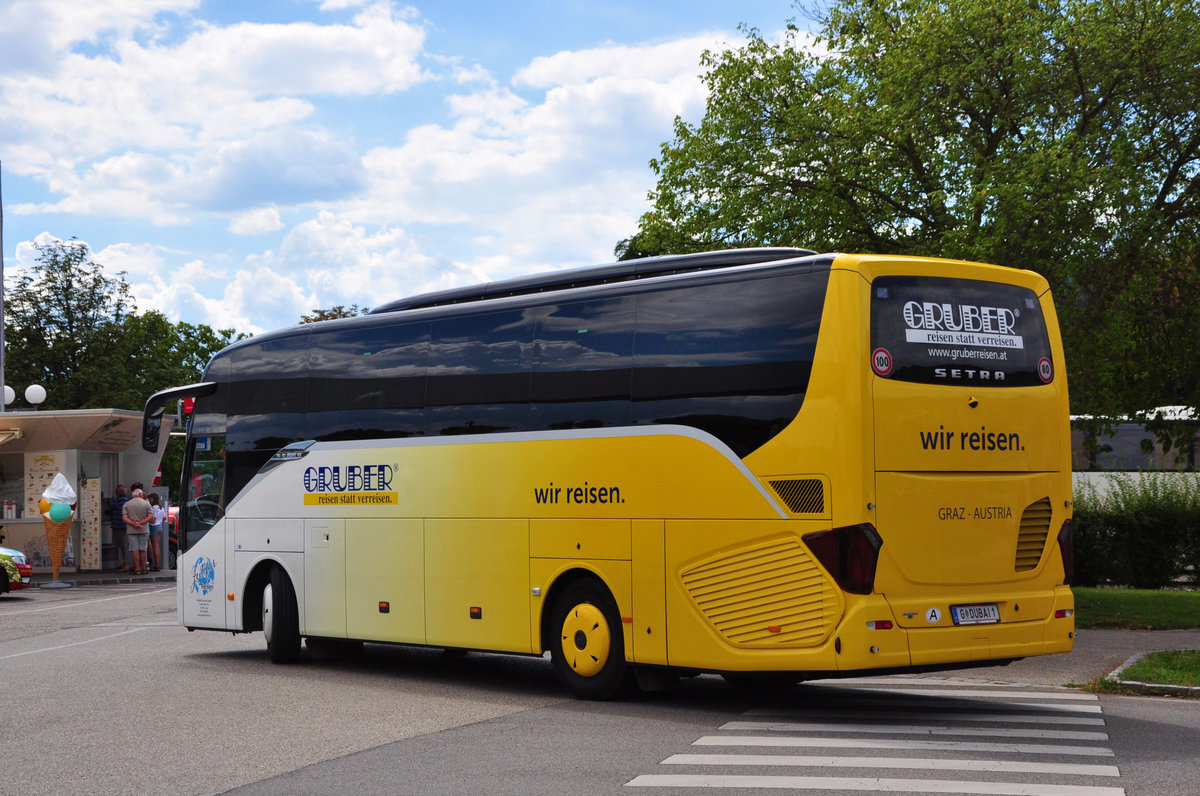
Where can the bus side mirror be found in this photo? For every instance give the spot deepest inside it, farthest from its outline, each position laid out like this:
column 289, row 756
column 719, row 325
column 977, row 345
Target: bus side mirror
column 151, row 428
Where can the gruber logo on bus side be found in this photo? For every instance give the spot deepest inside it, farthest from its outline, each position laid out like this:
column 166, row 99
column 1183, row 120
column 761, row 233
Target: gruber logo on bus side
column 354, row 485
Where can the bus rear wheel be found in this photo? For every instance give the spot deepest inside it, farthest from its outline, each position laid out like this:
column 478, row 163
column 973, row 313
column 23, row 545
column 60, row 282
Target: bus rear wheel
column 587, row 645
column 280, row 618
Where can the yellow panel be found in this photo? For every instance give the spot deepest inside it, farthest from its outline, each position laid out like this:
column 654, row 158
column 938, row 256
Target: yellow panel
column 385, row 562
column 581, row 538
column 770, row 593
column 745, row 595
column 588, row 475
column 324, row 578
column 958, row 530
column 976, row 642
column 970, row 429
column 831, row 438
column 649, row 626
column 480, row 564
column 864, row 648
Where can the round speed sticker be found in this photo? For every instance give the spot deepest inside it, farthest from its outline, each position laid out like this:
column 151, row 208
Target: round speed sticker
column 881, row 361
column 1045, row 370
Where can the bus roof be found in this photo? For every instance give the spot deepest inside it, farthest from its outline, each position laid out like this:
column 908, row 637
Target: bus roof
column 594, row 275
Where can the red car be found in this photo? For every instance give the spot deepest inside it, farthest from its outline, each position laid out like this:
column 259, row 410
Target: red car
column 15, row 570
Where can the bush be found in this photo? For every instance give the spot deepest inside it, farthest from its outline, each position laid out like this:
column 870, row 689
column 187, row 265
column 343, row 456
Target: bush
column 1140, row 530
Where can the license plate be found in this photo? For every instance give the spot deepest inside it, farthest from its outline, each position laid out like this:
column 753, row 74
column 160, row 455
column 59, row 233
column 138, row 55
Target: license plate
column 984, row 614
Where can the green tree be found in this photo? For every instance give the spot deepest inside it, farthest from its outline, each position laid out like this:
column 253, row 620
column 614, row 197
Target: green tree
column 1056, row 135
column 76, row 331
column 62, row 327
column 339, row 311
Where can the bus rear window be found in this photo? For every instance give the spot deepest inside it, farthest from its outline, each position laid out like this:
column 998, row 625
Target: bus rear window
column 935, row 330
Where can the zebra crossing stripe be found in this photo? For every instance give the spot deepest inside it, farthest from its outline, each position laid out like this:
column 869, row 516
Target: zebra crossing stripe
column 922, row 763
column 999, row 718
column 889, row 743
column 957, row 693
column 913, row 729
column 868, row 784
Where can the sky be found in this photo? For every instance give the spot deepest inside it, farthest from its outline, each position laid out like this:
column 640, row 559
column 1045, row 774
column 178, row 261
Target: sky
column 245, row 163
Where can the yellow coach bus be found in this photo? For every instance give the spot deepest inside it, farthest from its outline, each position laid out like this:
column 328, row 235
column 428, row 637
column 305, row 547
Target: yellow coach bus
column 758, row 462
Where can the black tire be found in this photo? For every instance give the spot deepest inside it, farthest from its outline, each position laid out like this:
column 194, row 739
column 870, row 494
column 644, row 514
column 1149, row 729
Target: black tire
column 281, row 618
column 587, row 642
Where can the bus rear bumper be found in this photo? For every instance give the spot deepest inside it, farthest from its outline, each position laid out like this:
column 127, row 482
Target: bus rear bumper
column 1054, row 634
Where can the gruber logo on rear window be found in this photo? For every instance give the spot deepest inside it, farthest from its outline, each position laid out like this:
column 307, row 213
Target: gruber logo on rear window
column 961, row 324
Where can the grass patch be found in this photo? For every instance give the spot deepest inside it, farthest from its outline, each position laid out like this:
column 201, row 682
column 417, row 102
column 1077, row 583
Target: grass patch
column 1136, row 609
column 1180, row 667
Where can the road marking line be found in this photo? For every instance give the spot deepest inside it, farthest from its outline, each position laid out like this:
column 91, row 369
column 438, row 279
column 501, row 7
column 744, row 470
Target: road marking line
column 913, row 729
column 931, row 682
column 999, row 718
column 869, row 784
column 931, row 763
column 990, row 696
column 78, row 603
column 889, row 743
column 72, row 644
column 880, row 702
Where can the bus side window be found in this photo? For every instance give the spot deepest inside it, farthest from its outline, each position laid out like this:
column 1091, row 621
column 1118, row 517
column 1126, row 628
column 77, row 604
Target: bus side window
column 732, row 359
column 480, row 382
column 583, row 355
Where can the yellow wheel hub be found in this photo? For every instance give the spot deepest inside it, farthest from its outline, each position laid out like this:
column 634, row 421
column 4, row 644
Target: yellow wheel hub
column 586, row 640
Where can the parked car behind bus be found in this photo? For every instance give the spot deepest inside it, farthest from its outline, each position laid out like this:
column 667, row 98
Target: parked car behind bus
column 16, row 568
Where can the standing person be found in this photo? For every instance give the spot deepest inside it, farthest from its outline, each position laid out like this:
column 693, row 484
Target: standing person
column 117, row 506
column 137, row 517
column 158, row 517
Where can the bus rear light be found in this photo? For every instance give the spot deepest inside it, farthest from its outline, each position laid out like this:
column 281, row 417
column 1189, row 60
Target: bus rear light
column 849, row 554
column 1066, row 545
column 880, row 624
column 1064, row 613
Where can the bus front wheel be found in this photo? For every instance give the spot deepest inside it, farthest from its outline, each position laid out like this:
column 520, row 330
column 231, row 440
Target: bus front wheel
column 588, row 646
column 280, row 618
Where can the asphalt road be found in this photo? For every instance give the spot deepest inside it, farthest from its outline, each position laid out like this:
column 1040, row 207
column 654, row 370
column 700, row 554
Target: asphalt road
column 104, row 693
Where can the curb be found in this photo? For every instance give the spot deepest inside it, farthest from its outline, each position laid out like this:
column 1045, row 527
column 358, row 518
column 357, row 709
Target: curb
column 105, row 579
column 1156, row 689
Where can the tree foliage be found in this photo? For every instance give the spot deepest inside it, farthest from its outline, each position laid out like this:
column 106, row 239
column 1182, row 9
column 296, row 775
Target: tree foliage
column 76, row 331
column 338, row 311
column 1055, row 135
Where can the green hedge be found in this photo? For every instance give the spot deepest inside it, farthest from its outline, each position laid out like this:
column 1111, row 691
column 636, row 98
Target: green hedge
column 1138, row 530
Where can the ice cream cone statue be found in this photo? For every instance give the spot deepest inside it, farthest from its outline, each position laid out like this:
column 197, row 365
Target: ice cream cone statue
column 58, row 509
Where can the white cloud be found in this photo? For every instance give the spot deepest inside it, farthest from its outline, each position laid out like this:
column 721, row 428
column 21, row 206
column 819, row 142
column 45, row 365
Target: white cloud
column 256, row 222
column 344, row 263
column 175, row 121
column 218, row 90
column 35, row 32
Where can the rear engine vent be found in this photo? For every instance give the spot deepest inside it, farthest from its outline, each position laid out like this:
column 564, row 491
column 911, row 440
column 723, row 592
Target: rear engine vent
column 1031, row 539
column 802, row 495
column 768, row 594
